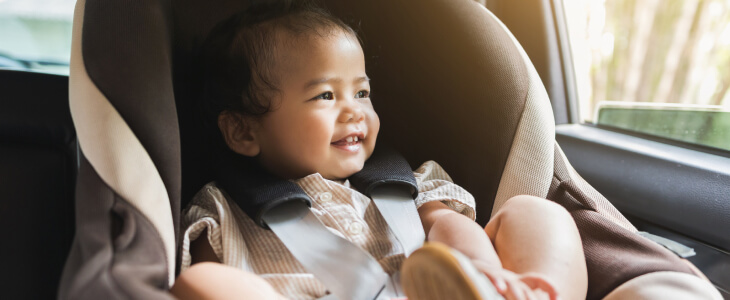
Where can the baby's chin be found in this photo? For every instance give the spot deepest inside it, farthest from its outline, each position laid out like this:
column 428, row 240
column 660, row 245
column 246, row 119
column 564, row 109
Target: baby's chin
column 344, row 171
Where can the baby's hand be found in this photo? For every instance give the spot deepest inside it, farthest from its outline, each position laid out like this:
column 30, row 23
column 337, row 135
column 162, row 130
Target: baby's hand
column 518, row 286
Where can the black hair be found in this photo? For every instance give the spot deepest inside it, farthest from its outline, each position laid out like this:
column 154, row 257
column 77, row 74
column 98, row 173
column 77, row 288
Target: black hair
column 237, row 55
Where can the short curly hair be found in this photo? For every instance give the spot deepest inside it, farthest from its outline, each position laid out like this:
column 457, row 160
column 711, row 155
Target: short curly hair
column 237, row 54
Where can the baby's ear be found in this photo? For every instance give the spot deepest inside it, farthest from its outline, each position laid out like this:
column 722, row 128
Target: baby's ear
column 238, row 133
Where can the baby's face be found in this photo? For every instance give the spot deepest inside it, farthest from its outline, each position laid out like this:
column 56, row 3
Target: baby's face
column 322, row 121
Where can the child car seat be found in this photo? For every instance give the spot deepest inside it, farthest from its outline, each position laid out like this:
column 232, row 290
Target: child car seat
column 450, row 84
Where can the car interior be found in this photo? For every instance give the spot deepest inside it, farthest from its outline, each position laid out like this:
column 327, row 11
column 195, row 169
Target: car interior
column 100, row 163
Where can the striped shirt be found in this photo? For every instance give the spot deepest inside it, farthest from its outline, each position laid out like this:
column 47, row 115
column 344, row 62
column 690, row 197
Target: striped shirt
column 238, row 242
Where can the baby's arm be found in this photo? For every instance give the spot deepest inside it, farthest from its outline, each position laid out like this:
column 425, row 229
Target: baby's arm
column 217, row 281
column 204, row 276
column 207, row 278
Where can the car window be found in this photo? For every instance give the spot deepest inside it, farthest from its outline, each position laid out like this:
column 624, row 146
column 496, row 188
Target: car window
column 36, row 34
column 655, row 67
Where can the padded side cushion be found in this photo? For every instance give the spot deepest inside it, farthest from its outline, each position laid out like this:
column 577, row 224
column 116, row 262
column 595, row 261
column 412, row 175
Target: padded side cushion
column 115, row 252
column 127, row 182
column 126, row 53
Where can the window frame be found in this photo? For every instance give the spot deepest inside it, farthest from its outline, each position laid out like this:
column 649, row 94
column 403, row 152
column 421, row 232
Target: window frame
column 600, row 153
column 571, row 101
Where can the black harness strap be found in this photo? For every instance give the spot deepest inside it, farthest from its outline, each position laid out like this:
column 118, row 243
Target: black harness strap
column 385, row 167
column 257, row 191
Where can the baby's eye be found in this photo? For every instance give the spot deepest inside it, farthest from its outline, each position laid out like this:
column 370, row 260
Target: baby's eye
column 325, row 96
column 362, row 94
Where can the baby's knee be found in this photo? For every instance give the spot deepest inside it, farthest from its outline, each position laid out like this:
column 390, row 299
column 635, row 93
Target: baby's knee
column 525, row 206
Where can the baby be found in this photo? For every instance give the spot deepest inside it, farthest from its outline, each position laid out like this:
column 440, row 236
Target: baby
column 289, row 92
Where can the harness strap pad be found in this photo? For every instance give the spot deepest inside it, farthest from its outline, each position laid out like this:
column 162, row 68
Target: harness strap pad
column 385, row 167
column 255, row 190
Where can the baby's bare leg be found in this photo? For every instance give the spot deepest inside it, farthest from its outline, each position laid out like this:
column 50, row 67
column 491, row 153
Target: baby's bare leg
column 217, row 281
column 446, row 226
column 536, row 236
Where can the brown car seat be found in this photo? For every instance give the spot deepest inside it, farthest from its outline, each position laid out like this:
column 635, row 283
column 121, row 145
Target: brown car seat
column 450, row 84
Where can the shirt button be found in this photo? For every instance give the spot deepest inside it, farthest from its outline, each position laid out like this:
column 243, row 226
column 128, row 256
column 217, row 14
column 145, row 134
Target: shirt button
column 355, row 228
column 325, row 197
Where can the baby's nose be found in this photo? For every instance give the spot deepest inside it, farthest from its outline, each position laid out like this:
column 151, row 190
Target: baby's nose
column 352, row 112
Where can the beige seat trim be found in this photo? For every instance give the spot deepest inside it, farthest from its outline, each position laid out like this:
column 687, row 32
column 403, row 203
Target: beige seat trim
column 665, row 285
column 114, row 151
column 529, row 167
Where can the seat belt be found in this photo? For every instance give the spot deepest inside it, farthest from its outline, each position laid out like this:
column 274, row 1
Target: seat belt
column 388, row 180
column 397, row 207
column 395, row 203
column 348, row 271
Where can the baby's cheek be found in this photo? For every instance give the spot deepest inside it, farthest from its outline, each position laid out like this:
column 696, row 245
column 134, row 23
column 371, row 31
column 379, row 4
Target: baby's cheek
column 305, row 135
column 374, row 122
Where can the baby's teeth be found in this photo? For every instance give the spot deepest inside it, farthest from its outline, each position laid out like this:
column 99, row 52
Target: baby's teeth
column 355, row 139
column 349, row 139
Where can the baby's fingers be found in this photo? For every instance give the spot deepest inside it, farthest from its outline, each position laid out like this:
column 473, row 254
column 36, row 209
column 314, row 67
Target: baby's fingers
column 519, row 290
column 494, row 276
column 538, row 283
column 516, row 290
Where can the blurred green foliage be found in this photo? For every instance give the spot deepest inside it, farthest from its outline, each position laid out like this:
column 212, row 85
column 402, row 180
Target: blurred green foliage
column 709, row 128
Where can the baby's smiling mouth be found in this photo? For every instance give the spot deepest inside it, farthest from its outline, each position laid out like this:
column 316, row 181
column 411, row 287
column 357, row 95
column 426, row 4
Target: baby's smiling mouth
column 350, row 143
